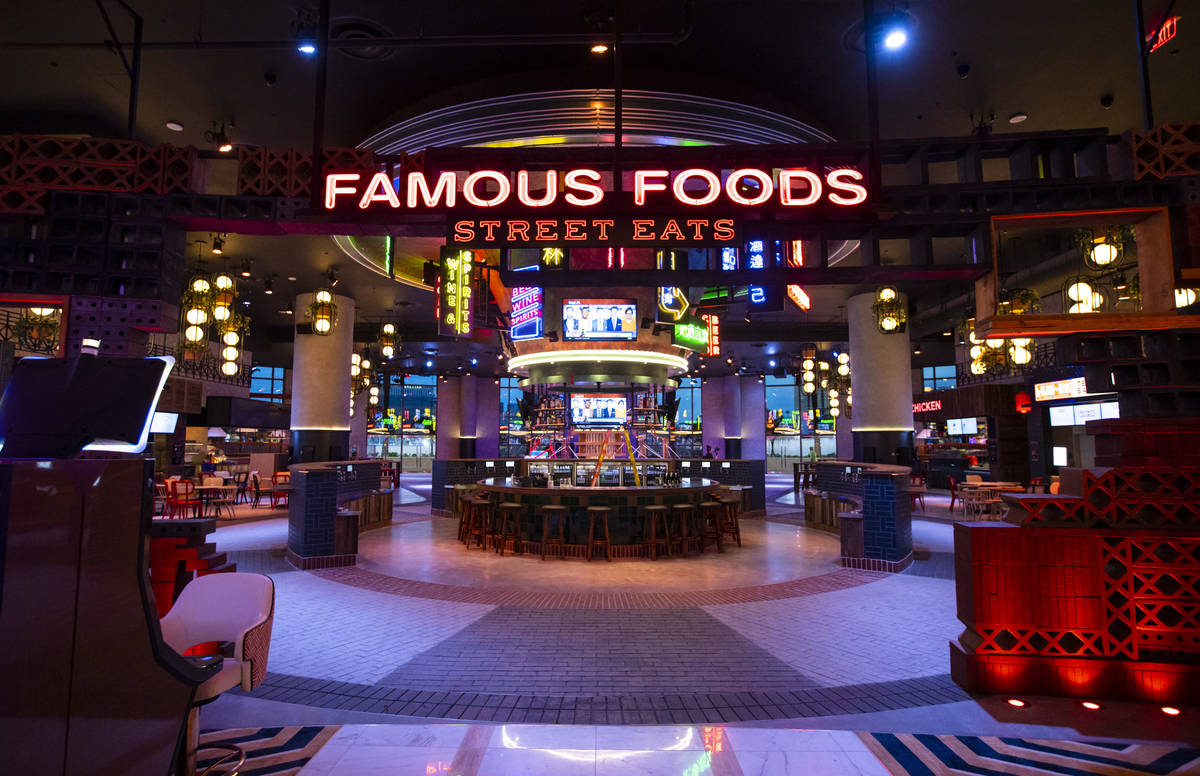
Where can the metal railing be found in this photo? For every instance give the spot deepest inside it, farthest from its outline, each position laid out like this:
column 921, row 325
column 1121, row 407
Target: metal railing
column 207, row 367
column 24, row 345
column 1044, row 356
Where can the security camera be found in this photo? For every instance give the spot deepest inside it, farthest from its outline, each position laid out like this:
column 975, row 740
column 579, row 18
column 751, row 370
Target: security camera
column 1106, row 101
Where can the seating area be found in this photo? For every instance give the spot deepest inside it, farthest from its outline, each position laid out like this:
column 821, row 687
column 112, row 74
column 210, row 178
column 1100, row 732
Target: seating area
column 221, row 495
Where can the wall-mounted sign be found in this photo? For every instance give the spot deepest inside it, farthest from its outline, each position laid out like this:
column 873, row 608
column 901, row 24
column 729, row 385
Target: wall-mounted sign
column 672, row 304
column 1060, row 389
column 454, row 281
column 714, row 334
column 797, row 294
column 690, row 333
column 581, row 188
column 1023, row 404
column 585, row 232
column 1166, row 33
column 553, row 257
column 933, row 405
column 525, row 317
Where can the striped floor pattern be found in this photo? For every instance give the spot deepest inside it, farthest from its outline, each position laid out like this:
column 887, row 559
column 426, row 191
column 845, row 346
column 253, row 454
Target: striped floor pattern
column 270, row 751
column 928, row 755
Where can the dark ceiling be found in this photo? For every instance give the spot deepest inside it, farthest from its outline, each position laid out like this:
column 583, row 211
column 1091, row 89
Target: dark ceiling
column 1051, row 60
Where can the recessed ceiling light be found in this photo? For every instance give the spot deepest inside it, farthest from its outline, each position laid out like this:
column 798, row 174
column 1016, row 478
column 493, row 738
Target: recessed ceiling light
column 1018, row 117
column 175, row 126
column 291, row 277
column 599, row 48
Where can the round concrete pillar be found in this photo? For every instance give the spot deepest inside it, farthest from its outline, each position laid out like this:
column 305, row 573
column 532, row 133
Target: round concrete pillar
column 321, row 385
column 882, row 420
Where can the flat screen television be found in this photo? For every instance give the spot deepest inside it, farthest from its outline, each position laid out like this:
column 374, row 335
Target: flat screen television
column 954, row 427
column 1062, row 416
column 970, row 426
column 598, row 409
column 600, row 319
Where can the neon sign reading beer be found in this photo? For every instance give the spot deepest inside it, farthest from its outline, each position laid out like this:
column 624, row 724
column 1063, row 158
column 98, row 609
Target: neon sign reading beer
column 581, row 188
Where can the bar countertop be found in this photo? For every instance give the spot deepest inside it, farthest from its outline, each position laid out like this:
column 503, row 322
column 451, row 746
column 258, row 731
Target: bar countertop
column 509, row 485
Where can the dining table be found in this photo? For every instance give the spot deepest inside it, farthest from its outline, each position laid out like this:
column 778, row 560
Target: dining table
column 211, row 494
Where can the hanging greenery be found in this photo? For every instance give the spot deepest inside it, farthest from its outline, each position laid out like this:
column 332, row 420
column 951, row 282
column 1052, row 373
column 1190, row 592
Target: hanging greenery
column 1107, row 248
column 891, row 314
column 994, row 359
column 36, row 330
column 323, row 311
column 1020, row 301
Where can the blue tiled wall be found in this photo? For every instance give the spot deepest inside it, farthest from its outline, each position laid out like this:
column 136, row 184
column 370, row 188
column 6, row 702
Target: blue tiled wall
column 317, row 490
column 887, row 508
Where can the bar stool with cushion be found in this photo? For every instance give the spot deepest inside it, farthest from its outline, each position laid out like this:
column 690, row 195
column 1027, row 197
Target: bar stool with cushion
column 652, row 517
column 688, row 524
column 729, row 518
column 559, row 513
column 711, row 514
column 510, row 514
column 598, row 514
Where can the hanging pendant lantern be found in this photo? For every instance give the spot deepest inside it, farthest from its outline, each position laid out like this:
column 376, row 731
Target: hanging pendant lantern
column 322, row 312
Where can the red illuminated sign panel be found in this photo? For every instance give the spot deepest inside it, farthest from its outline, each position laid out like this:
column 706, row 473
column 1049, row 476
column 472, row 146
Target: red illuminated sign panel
column 793, row 188
column 933, row 405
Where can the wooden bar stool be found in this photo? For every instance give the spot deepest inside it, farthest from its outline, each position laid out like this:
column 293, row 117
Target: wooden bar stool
column 711, row 514
column 510, row 513
column 594, row 514
column 554, row 512
column 480, row 516
column 688, row 528
column 729, row 518
column 652, row 517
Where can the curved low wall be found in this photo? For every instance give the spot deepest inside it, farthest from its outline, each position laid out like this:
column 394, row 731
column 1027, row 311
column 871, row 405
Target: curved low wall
column 885, row 520
column 316, row 537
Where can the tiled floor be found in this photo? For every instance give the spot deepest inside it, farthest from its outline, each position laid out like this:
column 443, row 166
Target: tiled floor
column 482, row 750
column 770, row 632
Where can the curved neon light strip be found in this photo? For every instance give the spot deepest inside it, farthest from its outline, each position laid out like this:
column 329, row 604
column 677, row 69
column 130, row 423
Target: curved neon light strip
column 620, row 356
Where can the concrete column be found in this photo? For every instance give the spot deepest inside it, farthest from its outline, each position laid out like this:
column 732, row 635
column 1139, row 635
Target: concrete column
column 358, row 424
column 883, row 420
column 321, row 386
column 468, row 418
column 712, row 414
column 734, row 408
column 487, row 416
column 752, row 413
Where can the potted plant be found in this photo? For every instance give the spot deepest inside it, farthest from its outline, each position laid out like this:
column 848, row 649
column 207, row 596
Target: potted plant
column 1020, row 301
column 33, row 330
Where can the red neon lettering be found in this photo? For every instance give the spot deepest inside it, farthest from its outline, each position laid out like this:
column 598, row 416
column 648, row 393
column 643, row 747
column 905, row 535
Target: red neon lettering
column 671, row 230
column 489, row 229
column 574, row 229
column 696, row 224
column 332, row 189
column 575, row 180
column 603, row 224
column 857, row 193
column 518, row 227
column 379, row 189
column 797, row 257
column 418, row 185
column 523, row 189
column 505, row 188
column 714, row 187
column 723, row 229
column 766, row 186
column 786, row 177
column 642, row 184
column 464, row 231
column 543, row 230
column 640, row 225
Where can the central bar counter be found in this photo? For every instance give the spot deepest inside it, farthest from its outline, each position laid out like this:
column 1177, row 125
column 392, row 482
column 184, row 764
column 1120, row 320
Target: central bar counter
column 625, row 521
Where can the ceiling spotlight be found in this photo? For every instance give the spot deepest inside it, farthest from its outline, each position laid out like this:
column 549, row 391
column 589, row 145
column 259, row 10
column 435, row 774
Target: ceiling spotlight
column 269, row 285
column 599, row 48
column 245, row 268
column 218, row 245
column 219, row 138
column 729, row 361
column 895, row 39
column 292, row 278
column 331, row 273
column 307, row 47
column 1018, row 117
column 771, row 363
column 474, row 361
column 947, row 333
column 289, row 310
column 429, row 363
column 175, row 126
column 917, row 350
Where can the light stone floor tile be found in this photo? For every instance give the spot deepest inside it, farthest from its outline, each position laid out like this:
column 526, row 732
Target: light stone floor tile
column 618, row 762
column 809, row 764
column 896, row 628
column 388, row 761
column 538, row 762
column 544, row 737
column 334, row 631
column 649, row 738
column 421, row 736
column 783, row 740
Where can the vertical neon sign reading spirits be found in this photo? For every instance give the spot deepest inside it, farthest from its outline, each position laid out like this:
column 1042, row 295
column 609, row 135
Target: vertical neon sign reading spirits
column 455, row 278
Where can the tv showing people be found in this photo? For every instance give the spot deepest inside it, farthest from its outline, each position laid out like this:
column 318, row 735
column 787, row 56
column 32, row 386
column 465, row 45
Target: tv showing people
column 600, row 319
column 598, row 409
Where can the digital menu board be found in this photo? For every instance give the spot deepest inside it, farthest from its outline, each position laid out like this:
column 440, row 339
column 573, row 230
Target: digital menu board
column 600, row 319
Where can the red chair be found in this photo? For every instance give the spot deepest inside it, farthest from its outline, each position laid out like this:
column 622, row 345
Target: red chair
column 277, row 495
column 1034, row 484
column 953, row 493
column 182, row 496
